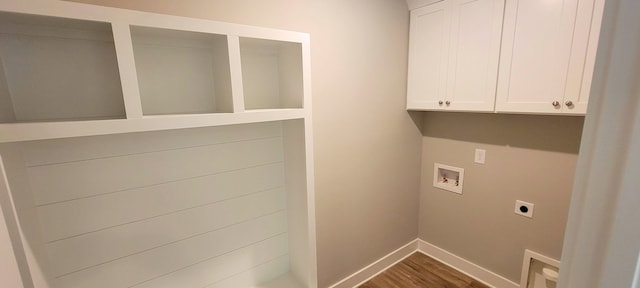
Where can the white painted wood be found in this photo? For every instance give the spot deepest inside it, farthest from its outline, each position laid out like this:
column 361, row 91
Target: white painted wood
column 260, row 274
column 6, row 104
column 9, row 269
column 24, row 228
column 306, row 76
column 93, row 210
column 312, row 265
column 61, row 220
column 51, row 130
column 89, row 178
column 602, row 239
column 581, row 100
column 479, row 273
column 543, row 61
column 72, row 69
column 214, row 270
column 372, row 270
column 290, row 70
column 285, row 281
column 271, row 74
column 428, row 56
column 98, row 247
column 235, row 68
column 236, row 244
column 529, row 256
column 137, row 18
column 222, row 76
column 453, row 55
column 295, row 163
column 127, row 68
column 476, row 29
column 413, row 4
column 38, row 153
column 121, row 20
column 102, row 241
column 177, row 71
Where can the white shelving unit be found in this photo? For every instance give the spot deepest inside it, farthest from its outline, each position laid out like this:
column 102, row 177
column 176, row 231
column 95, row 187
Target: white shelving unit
column 146, row 150
column 222, row 73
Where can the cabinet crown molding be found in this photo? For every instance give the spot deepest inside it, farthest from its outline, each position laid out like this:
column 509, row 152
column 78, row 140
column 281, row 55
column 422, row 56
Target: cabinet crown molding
column 413, row 4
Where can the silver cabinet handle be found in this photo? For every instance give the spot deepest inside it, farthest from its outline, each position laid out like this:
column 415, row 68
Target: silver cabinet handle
column 568, row 103
column 555, row 103
column 448, row 102
column 440, row 102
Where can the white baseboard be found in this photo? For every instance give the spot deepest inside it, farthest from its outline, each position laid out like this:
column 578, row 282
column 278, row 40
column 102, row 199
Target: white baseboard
column 456, row 262
column 479, row 273
column 375, row 268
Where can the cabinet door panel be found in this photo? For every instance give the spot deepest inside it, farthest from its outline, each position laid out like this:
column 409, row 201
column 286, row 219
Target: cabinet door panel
column 585, row 43
column 428, row 53
column 476, row 28
column 536, row 51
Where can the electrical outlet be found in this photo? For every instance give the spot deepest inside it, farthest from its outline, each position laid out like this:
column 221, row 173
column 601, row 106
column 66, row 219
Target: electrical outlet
column 480, row 156
column 524, row 209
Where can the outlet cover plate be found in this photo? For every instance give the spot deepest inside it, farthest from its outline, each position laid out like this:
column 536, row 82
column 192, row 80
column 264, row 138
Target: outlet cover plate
column 524, row 208
column 480, row 156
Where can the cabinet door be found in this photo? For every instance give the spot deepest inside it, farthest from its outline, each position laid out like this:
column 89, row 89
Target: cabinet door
column 536, row 55
column 583, row 56
column 428, row 54
column 476, row 28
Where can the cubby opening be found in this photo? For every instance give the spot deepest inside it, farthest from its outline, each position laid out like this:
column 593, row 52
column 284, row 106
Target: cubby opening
column 182, row 72
column 57, row 69
column 271, row 74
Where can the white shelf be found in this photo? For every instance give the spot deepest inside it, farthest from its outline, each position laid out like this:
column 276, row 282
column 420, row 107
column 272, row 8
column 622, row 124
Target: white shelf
column 51, row 130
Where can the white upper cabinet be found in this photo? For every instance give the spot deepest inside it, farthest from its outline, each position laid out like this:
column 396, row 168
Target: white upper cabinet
column 453, row 55
column 547, row 58
column 428, row 51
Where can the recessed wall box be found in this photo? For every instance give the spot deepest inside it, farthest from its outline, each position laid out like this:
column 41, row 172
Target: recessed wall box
column 448, row 177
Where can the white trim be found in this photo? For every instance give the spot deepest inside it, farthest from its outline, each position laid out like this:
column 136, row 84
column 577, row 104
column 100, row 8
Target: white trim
column 526, row 264
column 365, row 274
column 9, row 269
column 456, row 262
column 414, row 4
column 465, row 266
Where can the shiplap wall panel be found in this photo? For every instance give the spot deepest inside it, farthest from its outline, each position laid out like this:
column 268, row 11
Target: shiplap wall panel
column 247, row 241
column 73, row 180
column 45, row 152
column 61, row 220
column 257, row 274
column 213, row 270
column 193, row 206
column 91, row 249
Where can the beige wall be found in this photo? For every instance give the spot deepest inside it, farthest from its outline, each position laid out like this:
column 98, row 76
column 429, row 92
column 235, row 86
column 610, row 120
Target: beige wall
column 529, row 158
column 367, row 148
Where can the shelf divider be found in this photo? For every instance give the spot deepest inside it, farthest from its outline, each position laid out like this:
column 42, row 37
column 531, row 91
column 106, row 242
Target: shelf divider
column 127, row 68
column 235, row 67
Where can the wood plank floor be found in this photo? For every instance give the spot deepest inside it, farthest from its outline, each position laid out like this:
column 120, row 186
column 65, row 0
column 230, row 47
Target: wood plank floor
column 421, row 271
